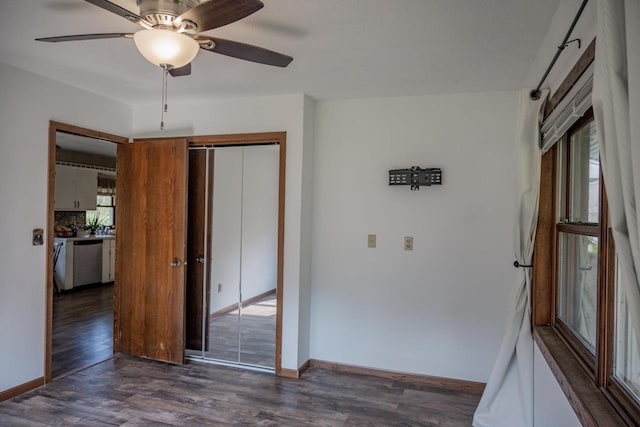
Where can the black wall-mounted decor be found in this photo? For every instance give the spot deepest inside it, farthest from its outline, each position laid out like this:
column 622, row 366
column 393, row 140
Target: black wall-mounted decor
column 415, row 177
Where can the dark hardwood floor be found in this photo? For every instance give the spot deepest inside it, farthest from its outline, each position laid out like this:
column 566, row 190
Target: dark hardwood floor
column 257, row 338
column 82, row 328
column 128, row 391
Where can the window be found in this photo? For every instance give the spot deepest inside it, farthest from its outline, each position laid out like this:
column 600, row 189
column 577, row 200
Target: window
column 577, row 290
column 578, row 286
column 577, row 236
column 105, row 211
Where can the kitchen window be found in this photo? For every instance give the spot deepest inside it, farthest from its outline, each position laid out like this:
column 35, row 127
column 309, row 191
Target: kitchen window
column 105, row 209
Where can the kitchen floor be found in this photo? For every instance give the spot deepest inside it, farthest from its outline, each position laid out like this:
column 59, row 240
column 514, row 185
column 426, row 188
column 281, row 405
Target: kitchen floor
column 82, row 328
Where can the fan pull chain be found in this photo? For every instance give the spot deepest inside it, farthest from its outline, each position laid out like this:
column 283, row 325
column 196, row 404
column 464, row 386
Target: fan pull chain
column 165, row 73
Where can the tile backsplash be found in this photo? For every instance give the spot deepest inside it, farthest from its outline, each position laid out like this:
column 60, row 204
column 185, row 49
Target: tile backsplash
column 66, row 219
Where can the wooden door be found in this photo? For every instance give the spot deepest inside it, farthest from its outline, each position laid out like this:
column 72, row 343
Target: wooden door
column 151, row 229
column 198, row 238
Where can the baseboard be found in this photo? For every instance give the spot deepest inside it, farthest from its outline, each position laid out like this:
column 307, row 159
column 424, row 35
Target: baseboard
column 22, row 388
column 227, row 309
column 294, row 373
column 304, row 367
column 289, row 373
column 449, row 383
column 248, row 301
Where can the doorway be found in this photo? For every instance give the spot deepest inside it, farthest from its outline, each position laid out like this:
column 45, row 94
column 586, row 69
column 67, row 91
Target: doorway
column 80, row 248
column 234, row 273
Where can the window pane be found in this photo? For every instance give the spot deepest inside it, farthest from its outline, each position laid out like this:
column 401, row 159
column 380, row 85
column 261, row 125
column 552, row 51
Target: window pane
column 578, row 285
column 104, row 201
column 627, row 358
column 585, row 175
column 105, row 216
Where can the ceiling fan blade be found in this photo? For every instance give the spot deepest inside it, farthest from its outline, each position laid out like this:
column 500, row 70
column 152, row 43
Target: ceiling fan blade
column 85, row 37
column 216, row 13
column 246, row 51
column 114, row 8
column 182, row 71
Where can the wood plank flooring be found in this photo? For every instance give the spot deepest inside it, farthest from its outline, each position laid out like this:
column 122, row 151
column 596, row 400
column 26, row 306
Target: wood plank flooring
column 127, row 391
column 257, row 338
column 82, row 328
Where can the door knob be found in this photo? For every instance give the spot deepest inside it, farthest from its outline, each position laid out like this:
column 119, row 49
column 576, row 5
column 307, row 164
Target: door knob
column 200, row 259
column 175, row 263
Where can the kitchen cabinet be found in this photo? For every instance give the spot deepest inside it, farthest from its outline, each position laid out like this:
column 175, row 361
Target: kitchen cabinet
column 108, row 260
column 65, row 268
column 76, row 188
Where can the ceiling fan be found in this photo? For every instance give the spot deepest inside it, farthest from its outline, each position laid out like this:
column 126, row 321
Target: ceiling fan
column 171, row 35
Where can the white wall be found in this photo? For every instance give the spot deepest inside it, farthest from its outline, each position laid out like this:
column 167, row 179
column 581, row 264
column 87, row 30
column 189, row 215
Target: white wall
column 259, row 220
column 427, row 310
column 28, row 103
column 226, row 227
column 558, row 27
column 309, row 117
column 246, row 115
column 550, row 405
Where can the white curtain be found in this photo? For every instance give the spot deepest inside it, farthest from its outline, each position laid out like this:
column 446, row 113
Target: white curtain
column 616, row 106
column 508, row 397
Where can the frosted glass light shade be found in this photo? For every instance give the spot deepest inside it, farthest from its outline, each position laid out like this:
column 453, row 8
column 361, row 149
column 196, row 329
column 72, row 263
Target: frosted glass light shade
column 166, row 47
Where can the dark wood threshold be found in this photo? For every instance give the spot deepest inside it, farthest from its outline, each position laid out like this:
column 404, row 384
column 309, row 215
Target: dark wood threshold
column 82, row 368
column 248, row 301
column 588, row 401
column 448, row 383
column 22, row 388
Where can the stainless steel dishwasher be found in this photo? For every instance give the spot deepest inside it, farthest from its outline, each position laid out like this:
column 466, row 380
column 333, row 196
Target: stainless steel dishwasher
column 87, row 262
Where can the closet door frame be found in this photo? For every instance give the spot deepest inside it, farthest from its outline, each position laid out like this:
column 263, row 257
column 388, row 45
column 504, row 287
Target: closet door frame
column 248, row 139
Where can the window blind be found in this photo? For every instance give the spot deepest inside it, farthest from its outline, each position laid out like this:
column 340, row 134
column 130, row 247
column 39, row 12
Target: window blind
column 106, row 185
column 570, row 109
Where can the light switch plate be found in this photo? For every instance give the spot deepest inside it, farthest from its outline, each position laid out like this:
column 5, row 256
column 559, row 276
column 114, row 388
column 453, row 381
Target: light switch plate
column 371, row 241
column 219, row 287
column 408, row 243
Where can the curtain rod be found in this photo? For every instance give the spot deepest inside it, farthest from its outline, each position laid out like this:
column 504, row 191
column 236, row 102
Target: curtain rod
column 536, row 93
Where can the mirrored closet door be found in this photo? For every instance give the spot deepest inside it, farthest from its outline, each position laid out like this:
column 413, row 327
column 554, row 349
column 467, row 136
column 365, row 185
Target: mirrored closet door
column 238, row 230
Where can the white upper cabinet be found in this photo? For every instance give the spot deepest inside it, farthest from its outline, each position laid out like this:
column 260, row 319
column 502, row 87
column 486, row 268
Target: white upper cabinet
column 76, row 188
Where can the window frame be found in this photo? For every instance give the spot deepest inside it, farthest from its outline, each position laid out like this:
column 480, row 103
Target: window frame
column 597, row 396
column 593, row 390
column 564, row 162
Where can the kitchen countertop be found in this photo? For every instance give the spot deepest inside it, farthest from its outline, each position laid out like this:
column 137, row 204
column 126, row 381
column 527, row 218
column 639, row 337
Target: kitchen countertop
column 96, row 237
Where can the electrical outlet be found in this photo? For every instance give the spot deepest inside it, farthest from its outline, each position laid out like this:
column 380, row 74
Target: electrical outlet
column 371, row 241
column 219, row 287
column 408, row 243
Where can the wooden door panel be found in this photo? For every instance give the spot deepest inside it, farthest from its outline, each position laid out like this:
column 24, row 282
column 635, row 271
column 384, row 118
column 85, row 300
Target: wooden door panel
column 151, row 212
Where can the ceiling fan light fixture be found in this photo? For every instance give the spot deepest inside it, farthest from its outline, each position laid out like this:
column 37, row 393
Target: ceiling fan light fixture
column 166, row 48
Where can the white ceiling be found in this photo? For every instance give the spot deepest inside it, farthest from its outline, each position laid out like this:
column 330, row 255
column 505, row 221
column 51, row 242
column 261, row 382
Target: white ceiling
column 341, row 48
column 83, row 144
